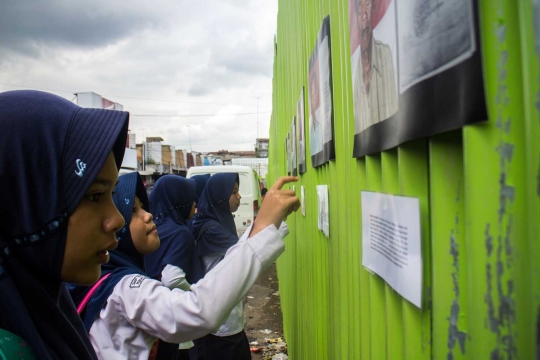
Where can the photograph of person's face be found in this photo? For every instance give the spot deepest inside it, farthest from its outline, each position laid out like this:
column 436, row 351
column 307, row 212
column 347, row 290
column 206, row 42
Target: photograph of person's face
column 300, row 123
column 364, row 15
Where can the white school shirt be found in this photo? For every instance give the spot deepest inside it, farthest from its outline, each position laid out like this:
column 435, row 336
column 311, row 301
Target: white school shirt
column 236, row 321
column 174, row 277
column 140, row 309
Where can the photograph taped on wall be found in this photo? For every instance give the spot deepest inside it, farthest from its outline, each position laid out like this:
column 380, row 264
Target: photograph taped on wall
column 288, row 153
column 300, row 134
column 320, row 99
column 323, row 222
column 293, row 147
column 416, row 70
column 303, row 200
column 391, row 242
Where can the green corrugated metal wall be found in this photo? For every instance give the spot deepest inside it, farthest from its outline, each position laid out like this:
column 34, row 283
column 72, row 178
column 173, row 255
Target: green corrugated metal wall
column 479, row 192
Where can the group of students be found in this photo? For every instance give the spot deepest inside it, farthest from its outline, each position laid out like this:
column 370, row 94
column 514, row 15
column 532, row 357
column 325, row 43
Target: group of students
column 163, row 278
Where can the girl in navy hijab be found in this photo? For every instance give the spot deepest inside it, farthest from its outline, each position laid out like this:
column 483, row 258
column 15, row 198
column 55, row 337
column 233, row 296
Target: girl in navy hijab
column 58, row 167
column 200, row 182
column 213, row 225
column 215, row 231
column 130, row 311
column 59, row 164
column 173, row 203
column 131, row 199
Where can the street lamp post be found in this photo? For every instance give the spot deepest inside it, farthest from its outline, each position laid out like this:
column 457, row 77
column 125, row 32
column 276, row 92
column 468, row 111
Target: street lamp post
column 189, row 132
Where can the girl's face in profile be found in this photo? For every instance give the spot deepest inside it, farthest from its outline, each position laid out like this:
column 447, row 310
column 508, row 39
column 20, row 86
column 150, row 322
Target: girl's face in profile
column 92, row 229
column 234, row 200
column 192, row 212
column 143, row 230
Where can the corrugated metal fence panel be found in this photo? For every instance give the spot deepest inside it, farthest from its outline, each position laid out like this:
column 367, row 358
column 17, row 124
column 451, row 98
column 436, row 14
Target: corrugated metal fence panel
column 479, row 192
column 448, row 248
column 529, row 19
column 495, row 198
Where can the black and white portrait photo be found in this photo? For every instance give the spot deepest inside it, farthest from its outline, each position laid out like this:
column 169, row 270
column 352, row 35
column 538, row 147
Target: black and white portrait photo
column 433, row 36
column 415, row 70
column 320, row 99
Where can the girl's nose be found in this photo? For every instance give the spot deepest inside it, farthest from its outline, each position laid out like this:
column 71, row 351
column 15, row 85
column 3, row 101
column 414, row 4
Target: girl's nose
column 114, row 221
column 148, row 217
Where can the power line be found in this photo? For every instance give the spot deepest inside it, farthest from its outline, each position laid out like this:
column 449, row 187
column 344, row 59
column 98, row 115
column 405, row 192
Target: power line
column 196, row 115
column 171, row 101
column 185, row 144
column 122, row 97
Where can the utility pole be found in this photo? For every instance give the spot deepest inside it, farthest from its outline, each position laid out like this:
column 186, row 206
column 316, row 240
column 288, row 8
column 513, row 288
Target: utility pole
column 143, row 130
column 189, row 132
column 143, row 149
column 258, row 97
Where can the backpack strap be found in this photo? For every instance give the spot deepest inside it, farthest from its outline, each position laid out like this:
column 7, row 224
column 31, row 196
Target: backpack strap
column 91, row 292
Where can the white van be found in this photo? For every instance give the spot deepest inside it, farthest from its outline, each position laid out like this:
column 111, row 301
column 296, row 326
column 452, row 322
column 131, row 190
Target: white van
column 249, row 190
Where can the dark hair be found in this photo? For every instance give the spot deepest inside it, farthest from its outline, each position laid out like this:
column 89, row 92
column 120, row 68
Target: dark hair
column 263, row 191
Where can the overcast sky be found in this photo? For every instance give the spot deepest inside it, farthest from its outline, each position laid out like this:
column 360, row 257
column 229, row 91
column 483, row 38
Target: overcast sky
column 165, row 57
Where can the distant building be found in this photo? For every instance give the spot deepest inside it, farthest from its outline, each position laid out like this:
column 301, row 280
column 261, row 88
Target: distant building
column 260, row 165
column 96, row 101
column 242, row 154
column 93, row 100
column 190, row 160
column 140, row 156
column 261, row 147
column 226, row 155
column 198, row 159
column 131, row 140
column 168, row 155
column 181, row 160
column 153, row 154
column 154, row 159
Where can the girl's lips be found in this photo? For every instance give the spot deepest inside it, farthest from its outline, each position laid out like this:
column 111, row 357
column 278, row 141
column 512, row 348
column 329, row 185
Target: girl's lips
column 152, row 230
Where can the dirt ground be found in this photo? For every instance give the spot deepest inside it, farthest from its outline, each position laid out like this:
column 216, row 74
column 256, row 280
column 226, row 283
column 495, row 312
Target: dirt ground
column 263, row 312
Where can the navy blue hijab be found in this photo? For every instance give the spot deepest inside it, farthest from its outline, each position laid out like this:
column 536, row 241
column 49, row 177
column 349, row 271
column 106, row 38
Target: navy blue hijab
column 125, row 259
column 171, row 201
column 45, row 142
column 200, row 182
column 213, row 225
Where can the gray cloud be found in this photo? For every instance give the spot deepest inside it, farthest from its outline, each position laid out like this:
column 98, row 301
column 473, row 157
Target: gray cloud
column 27, row 26
column 233, row 66
column 245, row 57
column 211, row 56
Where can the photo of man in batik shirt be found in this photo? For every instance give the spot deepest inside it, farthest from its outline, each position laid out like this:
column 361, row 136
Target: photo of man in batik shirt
column 375, row 78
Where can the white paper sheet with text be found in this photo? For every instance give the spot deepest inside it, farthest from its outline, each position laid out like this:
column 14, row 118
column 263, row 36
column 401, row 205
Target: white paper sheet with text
column 323, row 222
column 391, row 242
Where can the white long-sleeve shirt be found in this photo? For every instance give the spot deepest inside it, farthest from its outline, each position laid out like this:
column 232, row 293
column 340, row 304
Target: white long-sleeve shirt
column 141, row 309
column 235, row 321
column 174, row 277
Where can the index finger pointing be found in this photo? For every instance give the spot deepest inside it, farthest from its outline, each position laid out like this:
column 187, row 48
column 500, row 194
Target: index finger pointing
column 282, row 181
